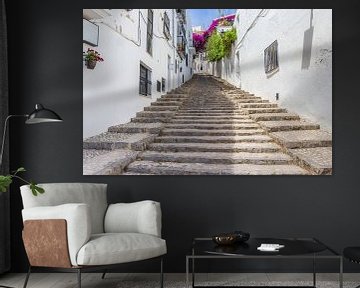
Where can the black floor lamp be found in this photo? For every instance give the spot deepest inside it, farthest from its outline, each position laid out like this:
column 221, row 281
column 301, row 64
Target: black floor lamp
column 39, row 115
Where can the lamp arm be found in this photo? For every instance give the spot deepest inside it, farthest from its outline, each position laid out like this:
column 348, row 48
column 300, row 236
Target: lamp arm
column 4, row 134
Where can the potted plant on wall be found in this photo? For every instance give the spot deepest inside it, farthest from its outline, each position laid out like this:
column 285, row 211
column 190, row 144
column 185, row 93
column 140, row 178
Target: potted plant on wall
column 91, row 57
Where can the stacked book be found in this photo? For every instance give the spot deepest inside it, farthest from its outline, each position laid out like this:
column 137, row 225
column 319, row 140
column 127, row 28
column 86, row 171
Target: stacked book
column 270, row 247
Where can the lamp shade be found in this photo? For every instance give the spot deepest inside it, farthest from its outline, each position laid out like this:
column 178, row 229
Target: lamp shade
column 42, row 115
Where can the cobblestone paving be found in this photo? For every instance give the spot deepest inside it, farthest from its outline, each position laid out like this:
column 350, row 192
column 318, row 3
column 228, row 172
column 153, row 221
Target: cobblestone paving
column 208, row 127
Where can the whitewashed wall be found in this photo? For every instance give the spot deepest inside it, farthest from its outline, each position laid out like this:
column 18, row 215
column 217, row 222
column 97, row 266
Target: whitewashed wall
column 304, row 90
column 111, row 91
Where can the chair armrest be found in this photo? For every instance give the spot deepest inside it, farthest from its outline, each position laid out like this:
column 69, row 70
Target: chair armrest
column 78, row 223
column 138, row 217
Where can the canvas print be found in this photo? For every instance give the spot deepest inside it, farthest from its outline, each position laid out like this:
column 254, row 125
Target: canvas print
column 207, row 91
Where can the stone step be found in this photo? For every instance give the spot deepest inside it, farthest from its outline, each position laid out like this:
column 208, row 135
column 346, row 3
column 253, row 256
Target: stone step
column 211, row 121
column 303, row 138
column 209, row 107
column 152, row 128
column 165, row 114
column 250, row 100
column 150, row 120
column 166, row 103
column 258, row 105
column 169, row 95
column 205, row 107
column 213, row 139
column 166, row 100
column 211, row 117
column 274, row 116
column 217, row 158
column 245, row 97
column 265, row 110
column 207, row 113
column 213, row 132
column 209, row 103
column 273, row 126
column 178, row 91
column 111, row 141
column 170, row 168
column 236, row 93
column 215, row 147
column 318, row 160
column 253, row 125
column 161, row 108
column 111, row 163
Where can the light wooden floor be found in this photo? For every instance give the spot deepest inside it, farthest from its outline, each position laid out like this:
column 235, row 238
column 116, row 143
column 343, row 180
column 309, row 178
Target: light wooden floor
column 114, row 280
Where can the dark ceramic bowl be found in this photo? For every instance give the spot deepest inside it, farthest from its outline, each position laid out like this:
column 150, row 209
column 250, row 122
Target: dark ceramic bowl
column 225, row 239
column 242, row 236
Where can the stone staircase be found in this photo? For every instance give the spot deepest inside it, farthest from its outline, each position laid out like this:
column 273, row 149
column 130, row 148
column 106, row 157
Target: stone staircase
column 207, row 127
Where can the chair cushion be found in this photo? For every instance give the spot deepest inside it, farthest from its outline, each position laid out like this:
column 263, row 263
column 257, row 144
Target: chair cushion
column 352, row 253
column 137, row 217
column 92, row 194
column 114, row 248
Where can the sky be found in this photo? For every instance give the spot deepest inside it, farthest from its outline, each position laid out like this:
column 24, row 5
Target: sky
column 204, row 17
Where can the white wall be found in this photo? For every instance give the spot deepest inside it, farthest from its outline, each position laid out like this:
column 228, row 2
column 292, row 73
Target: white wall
column 111, row 90
column 304, row 90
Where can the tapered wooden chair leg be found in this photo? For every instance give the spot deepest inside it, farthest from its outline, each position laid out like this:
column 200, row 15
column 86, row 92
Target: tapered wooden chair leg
column 79, row 278
column 27, row 277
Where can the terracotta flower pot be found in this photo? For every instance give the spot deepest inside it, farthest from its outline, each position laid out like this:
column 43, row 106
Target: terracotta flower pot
column 90, row 64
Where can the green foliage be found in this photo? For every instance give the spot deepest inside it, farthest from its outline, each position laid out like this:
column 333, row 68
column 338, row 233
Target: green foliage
column 229, row 37
column 214, row 47
column 36, row 189
column 219, row 45
column 6, row 180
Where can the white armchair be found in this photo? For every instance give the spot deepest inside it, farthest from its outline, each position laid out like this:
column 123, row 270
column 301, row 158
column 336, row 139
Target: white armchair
column 72, row 228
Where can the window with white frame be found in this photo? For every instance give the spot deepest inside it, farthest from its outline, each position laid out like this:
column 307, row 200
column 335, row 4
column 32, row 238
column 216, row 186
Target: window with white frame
column 271, row 62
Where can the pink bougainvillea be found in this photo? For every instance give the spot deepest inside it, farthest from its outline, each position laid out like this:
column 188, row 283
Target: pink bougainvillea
column 201, row 37
column 199, row 41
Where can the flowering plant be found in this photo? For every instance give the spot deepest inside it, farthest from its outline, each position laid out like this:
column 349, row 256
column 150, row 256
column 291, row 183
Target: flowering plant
column 92, row 55
column 199, row 41
column 200, row 38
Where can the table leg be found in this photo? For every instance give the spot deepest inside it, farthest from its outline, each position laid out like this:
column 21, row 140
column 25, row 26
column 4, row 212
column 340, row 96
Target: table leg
column 341, row 273
column 314, row 271
column 187, row 272
column 193, row 272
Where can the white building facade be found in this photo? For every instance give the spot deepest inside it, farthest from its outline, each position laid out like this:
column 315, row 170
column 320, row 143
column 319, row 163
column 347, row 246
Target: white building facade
column 146, row 52
column 283, row 54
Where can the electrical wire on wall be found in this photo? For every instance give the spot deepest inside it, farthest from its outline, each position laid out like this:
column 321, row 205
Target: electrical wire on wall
column 136, row 42
column 157, row 36
column 262, row 13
